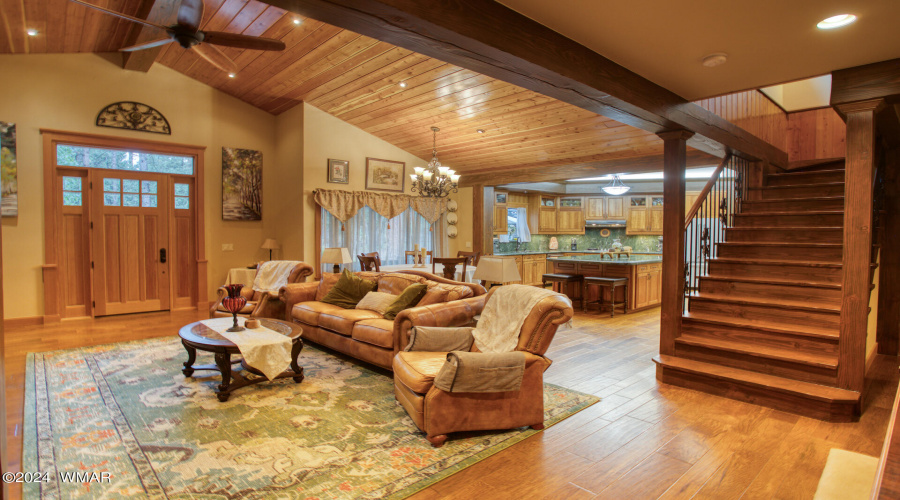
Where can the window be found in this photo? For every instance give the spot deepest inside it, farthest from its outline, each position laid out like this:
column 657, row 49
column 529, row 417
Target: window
column 72, row 191
column 116, row 159
column 182, row 196
column 517, row 224
column 368, row 232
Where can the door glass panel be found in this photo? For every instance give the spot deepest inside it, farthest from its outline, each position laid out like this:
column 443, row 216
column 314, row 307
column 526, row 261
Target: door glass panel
column 657, row 201
column 111, row 185
column 71, row 183
column 131, row 186
column 639, row 202
column 182, row 202
column 148, row 187
column 111, row 199
column 131, row 200
column 71, row 199
column 148, row 200
column 182, row 189
column 136, row 161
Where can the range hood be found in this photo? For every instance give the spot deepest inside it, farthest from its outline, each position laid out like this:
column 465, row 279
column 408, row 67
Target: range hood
column 604, row 223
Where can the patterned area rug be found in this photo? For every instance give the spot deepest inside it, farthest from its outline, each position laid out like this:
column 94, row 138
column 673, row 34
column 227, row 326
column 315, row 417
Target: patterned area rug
column 126, row 410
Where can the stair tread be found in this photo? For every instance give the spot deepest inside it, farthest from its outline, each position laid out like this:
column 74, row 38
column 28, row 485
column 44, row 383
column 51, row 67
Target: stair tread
column 774, row 281
column 806, row 172
column 791, row 212
column 787, row 228
column 809, row 198
column 763, row 301
column 774, row 382
column 780, row 244
column 776, row 262
column 805, row 330
column 807, row 358
column 807, row 184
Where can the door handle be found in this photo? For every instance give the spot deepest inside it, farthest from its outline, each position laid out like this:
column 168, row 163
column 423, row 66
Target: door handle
column 162, row 255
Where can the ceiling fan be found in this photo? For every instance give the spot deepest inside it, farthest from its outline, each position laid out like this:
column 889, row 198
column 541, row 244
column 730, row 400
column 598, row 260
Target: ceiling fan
column 187, row 33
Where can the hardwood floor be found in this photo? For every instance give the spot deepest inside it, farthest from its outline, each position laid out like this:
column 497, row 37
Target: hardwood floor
column 642, row 440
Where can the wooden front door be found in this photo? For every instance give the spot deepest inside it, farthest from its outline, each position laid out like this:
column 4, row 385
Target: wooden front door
column 130, row 265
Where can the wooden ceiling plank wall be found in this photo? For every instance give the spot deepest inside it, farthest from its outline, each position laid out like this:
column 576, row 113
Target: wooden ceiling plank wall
column 14, row 23
column 34, row 18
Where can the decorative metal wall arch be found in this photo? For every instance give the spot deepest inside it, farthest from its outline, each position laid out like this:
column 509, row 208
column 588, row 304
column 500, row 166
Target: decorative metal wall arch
column 132, row 115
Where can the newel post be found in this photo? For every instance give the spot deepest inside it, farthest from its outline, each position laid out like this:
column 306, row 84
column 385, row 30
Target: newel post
column 858, row 178
column 674, row 165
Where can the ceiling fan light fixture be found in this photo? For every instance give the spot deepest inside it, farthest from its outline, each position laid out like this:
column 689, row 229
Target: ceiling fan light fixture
column 31, row 32
column 616, row 187
column 836, row 21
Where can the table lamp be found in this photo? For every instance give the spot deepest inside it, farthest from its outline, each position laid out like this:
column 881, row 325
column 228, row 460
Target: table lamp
column 270, row 244
column 497, row 270
column 336, row 256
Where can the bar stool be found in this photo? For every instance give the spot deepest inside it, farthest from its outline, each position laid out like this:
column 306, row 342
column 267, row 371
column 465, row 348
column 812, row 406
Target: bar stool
column 603, row 283
column 563, row 280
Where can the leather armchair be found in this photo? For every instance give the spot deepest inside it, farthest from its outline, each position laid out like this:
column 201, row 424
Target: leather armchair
column 439, row 412
column 261, row 304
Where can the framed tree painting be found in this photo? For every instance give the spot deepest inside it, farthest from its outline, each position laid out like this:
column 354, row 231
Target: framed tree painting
column 9, row 185
column 338, row 171
column 385, row 175
column 241, row 184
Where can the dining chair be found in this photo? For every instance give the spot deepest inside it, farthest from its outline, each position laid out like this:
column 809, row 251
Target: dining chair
column 449, row 264
column 473, row 256
column 369, row 261
column 412, row 253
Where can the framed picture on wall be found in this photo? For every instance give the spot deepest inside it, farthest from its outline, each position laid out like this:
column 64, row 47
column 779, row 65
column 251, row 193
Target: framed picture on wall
column 339, row 171
column 241, row 184
column 385, row 175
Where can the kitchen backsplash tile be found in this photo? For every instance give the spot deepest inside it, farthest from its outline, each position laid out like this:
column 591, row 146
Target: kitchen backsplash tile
column 590, row 239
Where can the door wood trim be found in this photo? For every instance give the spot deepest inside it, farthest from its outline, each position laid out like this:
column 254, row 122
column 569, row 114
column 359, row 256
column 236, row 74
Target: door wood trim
column 51, row 271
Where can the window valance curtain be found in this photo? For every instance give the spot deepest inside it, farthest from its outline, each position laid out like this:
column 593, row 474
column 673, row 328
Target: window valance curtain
column 344, row 204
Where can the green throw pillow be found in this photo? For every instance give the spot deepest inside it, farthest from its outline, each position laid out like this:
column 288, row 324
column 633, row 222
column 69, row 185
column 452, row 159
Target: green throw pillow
column 349, row 290
column 409, row 298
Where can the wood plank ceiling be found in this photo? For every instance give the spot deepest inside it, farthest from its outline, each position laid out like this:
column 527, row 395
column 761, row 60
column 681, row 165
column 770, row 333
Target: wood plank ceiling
column 355, row 78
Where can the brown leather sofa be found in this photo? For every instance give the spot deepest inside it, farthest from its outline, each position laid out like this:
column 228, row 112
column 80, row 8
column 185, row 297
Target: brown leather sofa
column 366, row 335
column 438, row 412
column 261, row 304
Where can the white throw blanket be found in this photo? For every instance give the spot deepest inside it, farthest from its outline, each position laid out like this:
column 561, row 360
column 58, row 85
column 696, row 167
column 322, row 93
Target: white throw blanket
column 273, row 275
column 266, row 350
column 503, row 315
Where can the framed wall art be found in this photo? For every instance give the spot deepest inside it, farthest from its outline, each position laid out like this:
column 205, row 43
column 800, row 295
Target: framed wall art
column 339, row 171
column 385, row 175
column 241, row 184
column 9, row 183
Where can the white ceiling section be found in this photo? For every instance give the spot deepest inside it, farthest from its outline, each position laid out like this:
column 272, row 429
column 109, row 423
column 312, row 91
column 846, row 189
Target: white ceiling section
column 804, row 94
column 768, row 42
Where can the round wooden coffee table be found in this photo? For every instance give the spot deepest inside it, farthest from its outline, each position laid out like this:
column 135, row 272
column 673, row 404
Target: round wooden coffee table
column 197, row 336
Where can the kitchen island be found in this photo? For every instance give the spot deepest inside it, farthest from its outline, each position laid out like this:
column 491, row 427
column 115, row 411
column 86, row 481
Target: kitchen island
column 644, row 273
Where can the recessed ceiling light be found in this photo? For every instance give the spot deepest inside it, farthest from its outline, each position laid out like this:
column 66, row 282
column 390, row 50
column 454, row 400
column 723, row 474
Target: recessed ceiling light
column 31, row 32
column 403, row 85
column 836, row 21
column 713, row 60
column 480, row 131
column 231, row 75
column 297, row 20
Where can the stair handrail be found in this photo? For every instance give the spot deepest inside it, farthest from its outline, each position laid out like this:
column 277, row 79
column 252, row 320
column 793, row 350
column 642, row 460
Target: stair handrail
column 706, row 189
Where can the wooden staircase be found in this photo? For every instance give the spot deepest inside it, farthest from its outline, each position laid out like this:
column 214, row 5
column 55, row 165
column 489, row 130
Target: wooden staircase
column 764, row 325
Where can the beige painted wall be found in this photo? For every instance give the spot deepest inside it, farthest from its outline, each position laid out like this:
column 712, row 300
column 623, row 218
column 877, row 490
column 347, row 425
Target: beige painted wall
column 66, row 92
column 289, row 186
column 328, row 137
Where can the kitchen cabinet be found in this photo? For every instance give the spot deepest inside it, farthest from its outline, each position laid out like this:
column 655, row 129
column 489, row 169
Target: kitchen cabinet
column 604, row 208
column 547, row 222
column 533, row 268
column 645, row 215
column 570, row 215
column 644, row 280
column 500, row 206
column 647, row 289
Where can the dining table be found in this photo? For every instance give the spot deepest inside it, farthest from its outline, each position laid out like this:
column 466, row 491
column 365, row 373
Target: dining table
column 438, row 270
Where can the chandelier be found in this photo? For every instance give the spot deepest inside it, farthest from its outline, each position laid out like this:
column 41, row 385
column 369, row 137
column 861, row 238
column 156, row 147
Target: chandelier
column 616, row 187
column 434, row 180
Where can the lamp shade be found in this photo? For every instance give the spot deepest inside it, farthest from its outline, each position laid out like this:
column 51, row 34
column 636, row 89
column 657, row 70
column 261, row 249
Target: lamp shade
column 497, row 269
column 270, row 244
column 336, row 256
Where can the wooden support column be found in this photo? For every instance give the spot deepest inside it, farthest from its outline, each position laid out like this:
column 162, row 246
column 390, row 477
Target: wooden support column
column 889, row 279
column 857, row 257
column 674, row 165
column 483, row 219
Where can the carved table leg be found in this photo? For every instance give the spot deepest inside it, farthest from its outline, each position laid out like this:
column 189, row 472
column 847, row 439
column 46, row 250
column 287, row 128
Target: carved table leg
column 188, row 369
column 223, row 361
column 295, row 353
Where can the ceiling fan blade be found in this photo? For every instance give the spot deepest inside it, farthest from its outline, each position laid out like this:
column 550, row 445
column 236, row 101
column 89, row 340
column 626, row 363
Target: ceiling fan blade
column 242, row 41
column 119, row 14
column 190, row 14
column 148, row 45
column 215, row 57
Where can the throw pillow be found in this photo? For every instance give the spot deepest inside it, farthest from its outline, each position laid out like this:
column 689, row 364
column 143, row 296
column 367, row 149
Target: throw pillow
column 348, row 290
column 325, row 284
column 377, row 301
column 409, row 298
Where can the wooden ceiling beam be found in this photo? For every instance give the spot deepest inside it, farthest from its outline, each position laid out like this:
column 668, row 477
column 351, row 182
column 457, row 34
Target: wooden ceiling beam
column 871, row 81
column 530, row 55
column 161, row 12
column 553, row 173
